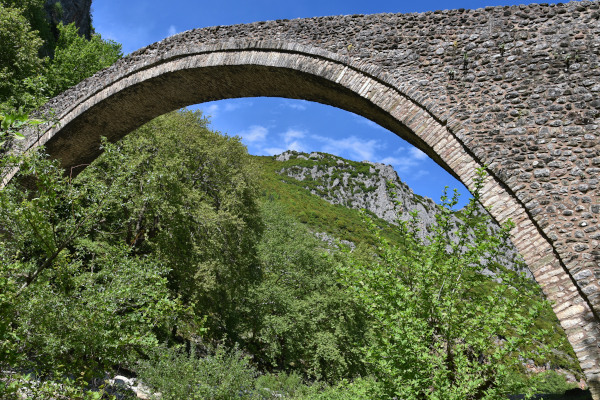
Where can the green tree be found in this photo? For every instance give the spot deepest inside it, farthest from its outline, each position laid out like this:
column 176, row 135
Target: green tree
column 34, row 66
column 188, row 199
column 219, row 375
column 298, row 316
column 19, row 61
column 10, row 125
column 86, row 262
column 76, row 58
column 67, row 299
column 35, row 13
column 443, row 329
column 91, row 269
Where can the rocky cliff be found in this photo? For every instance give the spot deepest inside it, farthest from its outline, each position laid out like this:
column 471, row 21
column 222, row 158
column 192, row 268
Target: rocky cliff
column 68, row 11
column 373, row 187
column 370, row 186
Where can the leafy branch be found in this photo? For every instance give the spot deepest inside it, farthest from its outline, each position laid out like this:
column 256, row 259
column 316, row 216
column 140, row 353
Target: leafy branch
column 12, row 123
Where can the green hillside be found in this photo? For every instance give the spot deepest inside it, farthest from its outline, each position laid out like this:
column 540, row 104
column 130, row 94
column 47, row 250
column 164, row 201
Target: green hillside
column 199, row 270
column 345, row 223
column 319, row 215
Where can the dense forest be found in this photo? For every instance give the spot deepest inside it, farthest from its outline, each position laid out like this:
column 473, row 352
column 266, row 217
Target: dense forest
column 192, row 270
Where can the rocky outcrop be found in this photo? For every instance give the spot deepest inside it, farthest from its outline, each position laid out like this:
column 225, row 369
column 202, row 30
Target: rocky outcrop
column 68, row 11
column 121, row 386
column 373, row 187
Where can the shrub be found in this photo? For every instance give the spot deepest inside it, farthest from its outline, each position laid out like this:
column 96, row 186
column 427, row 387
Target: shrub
column 220, row 375
column 442, row 329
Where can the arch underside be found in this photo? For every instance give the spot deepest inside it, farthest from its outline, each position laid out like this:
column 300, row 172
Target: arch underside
column 134, row 106
column 123, row 104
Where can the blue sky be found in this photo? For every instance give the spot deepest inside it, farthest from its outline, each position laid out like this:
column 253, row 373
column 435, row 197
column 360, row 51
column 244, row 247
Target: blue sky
column 271, row 125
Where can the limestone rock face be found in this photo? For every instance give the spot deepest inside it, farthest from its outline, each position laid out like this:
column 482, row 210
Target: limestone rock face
column 371, row 186
column 374, row 187
column 67, row 11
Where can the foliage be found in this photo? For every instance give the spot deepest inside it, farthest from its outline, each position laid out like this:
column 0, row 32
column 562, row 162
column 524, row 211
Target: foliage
column 298, row 317
column 94, row 271
column 321, row 216
column 550, row 383
column 224, row 374
column 187, row 198
column 27, row 76
column 71, row 300
column 35, row 13
column 442, row 331
column 76, row 58
column 357, row 389
column 345, row 223
column 88, row 273
column 59, row 387
column 220, row 375
column 19, row 61
column 11, row 123
column 291, row 386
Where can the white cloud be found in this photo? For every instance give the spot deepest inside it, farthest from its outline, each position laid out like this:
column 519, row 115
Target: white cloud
column 400, row 164
column 290, row 139
column 172, row 30
column 390, row 160
column 351, row 147
column 299, row 105
column 407, row 163
column 292, row 134
column 418, row 154
column 235, row 104
column 212, row 110
column 296, row 146
column 257, row 138
column 271, row 151
column 216, row 108
column 256, row 133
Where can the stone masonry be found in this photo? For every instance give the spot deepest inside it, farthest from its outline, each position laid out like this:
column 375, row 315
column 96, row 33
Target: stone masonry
column 513, row 89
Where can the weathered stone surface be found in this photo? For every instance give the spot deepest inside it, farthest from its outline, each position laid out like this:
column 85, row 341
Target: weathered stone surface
column 514, row 89
column 68, row 11
column 376, row 188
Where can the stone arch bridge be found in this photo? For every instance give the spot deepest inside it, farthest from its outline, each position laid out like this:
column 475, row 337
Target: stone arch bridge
column 514, row 89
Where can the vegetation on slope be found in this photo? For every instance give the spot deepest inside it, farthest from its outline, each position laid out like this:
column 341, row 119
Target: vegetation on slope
column 176, row 269
column 177, row 257
column 297, row 195
column 319, row 215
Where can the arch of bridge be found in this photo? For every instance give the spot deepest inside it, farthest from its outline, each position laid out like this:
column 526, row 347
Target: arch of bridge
column 514, row 89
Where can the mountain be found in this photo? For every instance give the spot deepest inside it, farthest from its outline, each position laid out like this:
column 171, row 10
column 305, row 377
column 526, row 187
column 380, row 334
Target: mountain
column 364, row 185
column 327, row 193
column 372, row 187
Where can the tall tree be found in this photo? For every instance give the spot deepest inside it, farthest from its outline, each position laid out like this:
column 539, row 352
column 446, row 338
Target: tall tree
column 76, row 58
column 443, row 329
column 67, row 299
column 189, row 200
column 19, row 61
column 298, row 317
